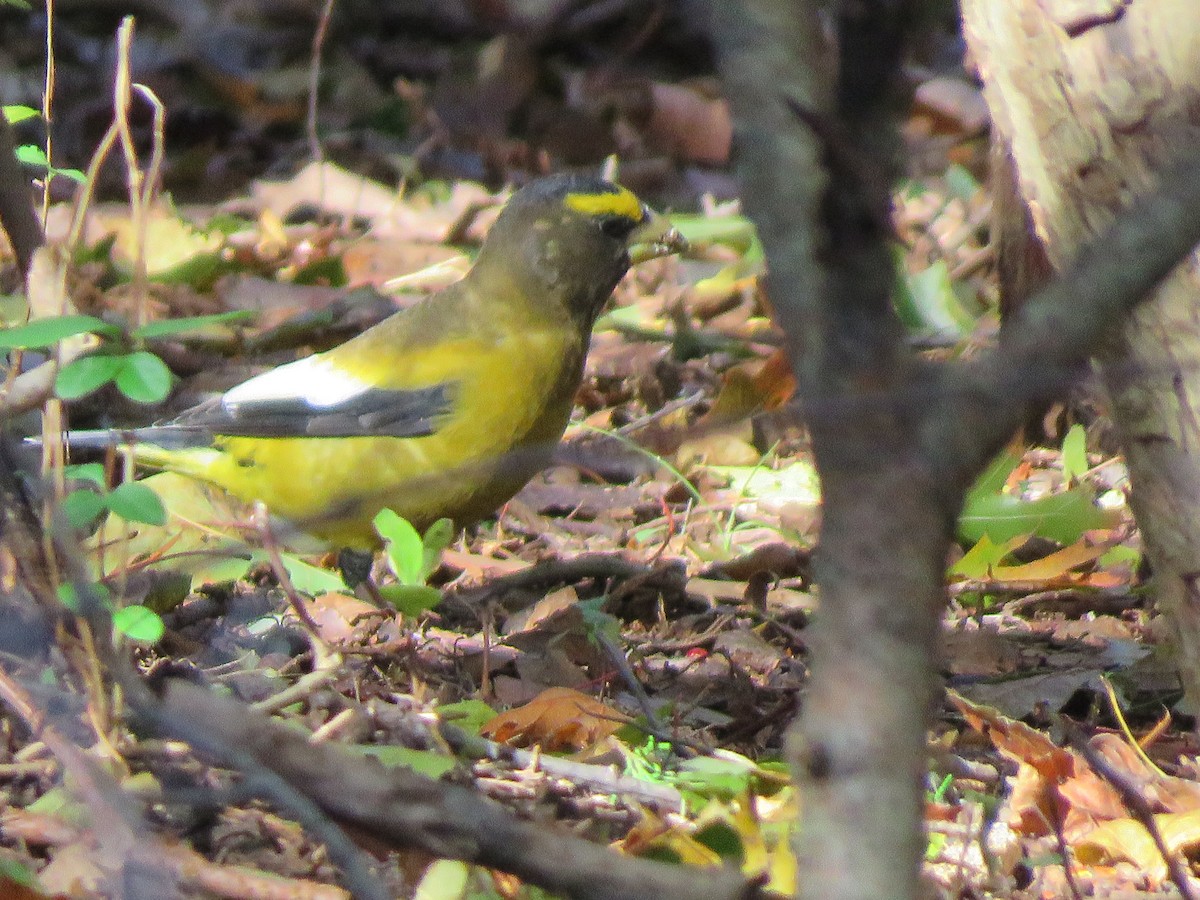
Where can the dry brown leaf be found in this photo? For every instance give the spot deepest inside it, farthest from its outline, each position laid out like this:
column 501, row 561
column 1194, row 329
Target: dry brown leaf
column 1032, row 805
column 338, row 616
column 557, row 612
column 1052, row 568
column 739, row 397
column 775, row 382
column 1052, row 781
column 727, row 446
column 1127, row 840
column 481, row 566
column 374, row 262
column 557, row 719
column 11, row 890
column 1165, row 793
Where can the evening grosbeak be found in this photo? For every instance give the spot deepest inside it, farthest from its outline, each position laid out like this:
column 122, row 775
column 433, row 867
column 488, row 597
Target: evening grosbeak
column 445, row 409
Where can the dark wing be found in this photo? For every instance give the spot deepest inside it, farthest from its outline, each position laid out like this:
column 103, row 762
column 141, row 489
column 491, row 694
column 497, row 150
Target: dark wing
column 371, row 412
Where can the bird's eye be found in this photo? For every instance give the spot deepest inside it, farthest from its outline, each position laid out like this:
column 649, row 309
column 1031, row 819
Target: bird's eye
column 618, row 227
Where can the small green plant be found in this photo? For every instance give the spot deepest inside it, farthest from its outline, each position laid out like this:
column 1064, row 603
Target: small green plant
column 32, row 154
column 412, row 559
column 132, row 501
column 121, row 359
column 1074, row 454
column 136, row 622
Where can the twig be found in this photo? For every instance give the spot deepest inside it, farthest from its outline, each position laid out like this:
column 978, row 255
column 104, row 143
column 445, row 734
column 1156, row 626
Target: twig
column 48, row 106
column 165, row 717
column 326, row 660
column 406, row 809
column 314, row 81
column 617, row 657
column 550, row 572
column 262, row 527
column 602, row 779
column 189, row 868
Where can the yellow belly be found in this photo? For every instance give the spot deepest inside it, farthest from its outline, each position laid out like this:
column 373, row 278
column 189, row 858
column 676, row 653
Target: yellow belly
column 510, row 410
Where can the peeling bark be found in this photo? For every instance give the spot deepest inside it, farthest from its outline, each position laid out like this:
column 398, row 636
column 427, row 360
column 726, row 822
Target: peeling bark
column 1091, row 99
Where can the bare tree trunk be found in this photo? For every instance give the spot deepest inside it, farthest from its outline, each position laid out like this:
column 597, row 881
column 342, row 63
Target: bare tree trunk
column 815, row 90
column 1092, row 101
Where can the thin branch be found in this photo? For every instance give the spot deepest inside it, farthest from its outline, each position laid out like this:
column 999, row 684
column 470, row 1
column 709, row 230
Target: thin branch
column 1055, row 332
column 314, row 81
column 407, row 810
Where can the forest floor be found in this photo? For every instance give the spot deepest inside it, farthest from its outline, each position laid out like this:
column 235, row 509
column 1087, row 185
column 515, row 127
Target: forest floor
column 621, row 649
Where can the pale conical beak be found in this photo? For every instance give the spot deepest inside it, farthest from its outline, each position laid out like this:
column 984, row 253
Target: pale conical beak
column 654, row 238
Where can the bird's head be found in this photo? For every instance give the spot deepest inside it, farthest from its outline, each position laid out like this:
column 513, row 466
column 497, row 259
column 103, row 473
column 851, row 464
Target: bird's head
column 577, row 236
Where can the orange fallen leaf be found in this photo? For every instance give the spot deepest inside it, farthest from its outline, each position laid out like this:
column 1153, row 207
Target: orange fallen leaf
column 1127, row 840
column 775, row 381
column 1054, row 567
column 558, row 718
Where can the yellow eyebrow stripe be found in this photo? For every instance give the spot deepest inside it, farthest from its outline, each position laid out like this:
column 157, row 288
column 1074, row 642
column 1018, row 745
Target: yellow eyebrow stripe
column 622, row 202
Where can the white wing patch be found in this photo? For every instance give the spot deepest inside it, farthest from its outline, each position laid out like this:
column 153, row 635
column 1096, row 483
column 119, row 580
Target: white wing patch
column 312, row 381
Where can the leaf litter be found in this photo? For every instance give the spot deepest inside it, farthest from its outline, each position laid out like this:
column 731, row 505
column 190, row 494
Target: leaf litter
column 641, row 606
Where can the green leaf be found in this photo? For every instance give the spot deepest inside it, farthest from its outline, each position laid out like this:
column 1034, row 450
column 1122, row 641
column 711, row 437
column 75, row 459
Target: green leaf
column 49, row 331
column 63, row 804
column 327, row 271
column 144, row 377
column 225, row 224
column 16, row 872
column 139, row 624
column 33, row 155
column 18, row 113
column 84, row 375
column 980, row 560
column 927, row 301
column 171, row 249
column 172, row 327
column 1060, row 517
column 939, row 792
column 411, row 599
column 995, row 476
column 1121, row 555
column 135, row 502
column 438, row 537
column 309, row 579
column 722, row 839
column 445, row 879
column 424, row 762
column 1074, row 453
column 733, row 230
column 714, row 777
column 599, row 622
column 74, row 174
column 469, row 715
column 796, row 482
column 69, row 596
column 404, row 547
column 935, row 845
column 83, row 507
column 93, row 472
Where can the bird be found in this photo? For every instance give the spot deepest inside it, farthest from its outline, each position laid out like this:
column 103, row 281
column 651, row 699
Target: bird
column 443, row 410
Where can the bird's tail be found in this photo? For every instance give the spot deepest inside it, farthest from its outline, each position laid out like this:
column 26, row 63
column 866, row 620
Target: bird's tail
column 168, row 437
